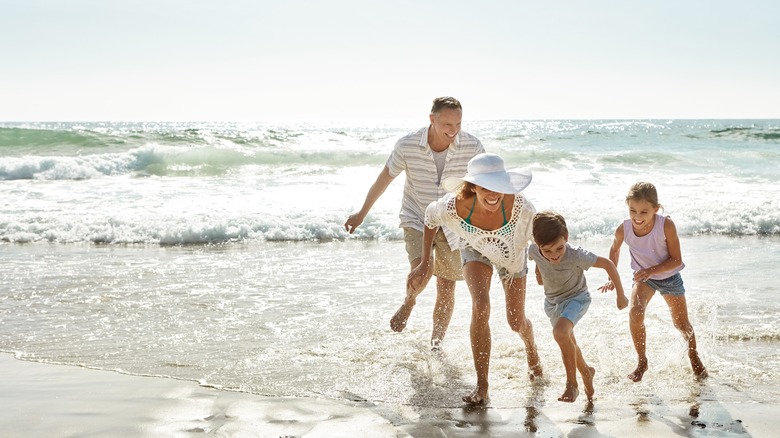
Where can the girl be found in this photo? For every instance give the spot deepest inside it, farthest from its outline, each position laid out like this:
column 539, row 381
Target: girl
column 493, row 219
column 657, row 261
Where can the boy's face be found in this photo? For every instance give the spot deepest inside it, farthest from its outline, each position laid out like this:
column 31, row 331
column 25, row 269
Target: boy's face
column 554, row 250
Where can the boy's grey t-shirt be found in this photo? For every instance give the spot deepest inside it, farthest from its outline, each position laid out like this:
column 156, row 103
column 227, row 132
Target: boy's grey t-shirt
column 567, row 278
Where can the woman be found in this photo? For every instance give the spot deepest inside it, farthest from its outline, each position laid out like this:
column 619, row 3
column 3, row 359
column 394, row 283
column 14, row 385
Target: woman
column 494, row 221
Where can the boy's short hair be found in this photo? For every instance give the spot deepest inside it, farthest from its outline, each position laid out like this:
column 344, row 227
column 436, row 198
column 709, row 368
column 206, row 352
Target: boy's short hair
column 549, row 226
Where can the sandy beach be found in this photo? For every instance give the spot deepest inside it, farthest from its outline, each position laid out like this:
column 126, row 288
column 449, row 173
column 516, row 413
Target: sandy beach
column 69, row 401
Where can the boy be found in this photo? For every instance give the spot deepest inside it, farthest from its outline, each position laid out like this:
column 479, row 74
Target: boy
column 560, row 268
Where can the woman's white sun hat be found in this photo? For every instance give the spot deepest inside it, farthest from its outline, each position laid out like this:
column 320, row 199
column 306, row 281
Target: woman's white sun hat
column 487, row 170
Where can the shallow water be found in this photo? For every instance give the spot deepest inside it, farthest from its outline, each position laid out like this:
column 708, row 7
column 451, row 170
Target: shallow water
column 311, row 319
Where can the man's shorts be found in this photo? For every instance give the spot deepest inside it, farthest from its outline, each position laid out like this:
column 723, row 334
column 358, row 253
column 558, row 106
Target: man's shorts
column 446, row 262
column 573, row 308
column 668, row 286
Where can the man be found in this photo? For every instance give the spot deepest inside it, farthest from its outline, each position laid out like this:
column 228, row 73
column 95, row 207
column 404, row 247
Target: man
column 429, row 155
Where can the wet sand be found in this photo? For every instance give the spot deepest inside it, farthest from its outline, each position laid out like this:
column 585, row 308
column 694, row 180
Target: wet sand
column 68, row 401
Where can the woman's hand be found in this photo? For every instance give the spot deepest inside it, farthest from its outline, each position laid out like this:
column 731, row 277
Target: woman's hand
column 418, row 278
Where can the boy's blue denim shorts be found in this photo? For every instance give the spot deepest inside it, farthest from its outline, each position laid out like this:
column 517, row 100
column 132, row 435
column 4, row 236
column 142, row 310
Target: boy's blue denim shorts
column 668, row 286
column 572, row 309
column 469, row 254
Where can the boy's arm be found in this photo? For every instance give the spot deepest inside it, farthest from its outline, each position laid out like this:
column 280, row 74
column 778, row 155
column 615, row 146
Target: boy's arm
column 608, row 266
column 538, row 276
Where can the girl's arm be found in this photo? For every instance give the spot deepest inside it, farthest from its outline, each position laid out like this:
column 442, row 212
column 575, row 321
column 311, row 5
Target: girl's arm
column 608, row 266
column 614, row 255
column 673, row 245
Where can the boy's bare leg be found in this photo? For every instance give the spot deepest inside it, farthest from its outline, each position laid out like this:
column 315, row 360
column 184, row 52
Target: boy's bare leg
column 514, row 290
column 563, row 334
column 640, row 297
column 398, row 321
column 442, row 310
column 679, row 310
column 586, row 372
column 477, row 276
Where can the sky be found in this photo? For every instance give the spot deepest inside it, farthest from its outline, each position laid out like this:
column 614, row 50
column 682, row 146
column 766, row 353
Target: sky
column 255, row 60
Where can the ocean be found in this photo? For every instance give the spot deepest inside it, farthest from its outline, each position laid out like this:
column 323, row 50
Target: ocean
column 215, row 252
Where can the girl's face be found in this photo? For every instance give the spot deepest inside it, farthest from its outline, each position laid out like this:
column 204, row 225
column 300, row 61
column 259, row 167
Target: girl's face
column 488, row 199
column 642, row 214
column 555, row 250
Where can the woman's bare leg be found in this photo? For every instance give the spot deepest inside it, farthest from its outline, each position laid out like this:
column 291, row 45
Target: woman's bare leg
column 514, row 290
column 477, row 276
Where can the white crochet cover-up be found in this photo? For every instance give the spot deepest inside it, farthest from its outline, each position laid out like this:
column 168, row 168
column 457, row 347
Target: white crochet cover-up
column 506, row 247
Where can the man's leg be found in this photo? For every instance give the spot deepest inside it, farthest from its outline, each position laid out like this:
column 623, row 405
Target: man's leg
column 443, row 309
column 413, row 240
column 447, row 268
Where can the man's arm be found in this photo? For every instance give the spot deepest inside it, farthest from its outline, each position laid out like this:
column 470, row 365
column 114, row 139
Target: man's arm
column 377, row 189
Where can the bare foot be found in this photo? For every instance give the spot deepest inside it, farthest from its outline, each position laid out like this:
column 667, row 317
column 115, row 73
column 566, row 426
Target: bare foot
column 570, row 394
column 698, row 367
column 398, row 321
column 587, row 382
column 534, row 365
column 477, row 397
column 641, row 367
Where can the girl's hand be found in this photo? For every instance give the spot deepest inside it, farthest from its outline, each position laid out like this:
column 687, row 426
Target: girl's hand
column 643, row 275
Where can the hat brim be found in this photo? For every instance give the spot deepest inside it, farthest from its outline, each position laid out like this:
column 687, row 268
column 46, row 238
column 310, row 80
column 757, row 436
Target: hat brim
column 509, row 182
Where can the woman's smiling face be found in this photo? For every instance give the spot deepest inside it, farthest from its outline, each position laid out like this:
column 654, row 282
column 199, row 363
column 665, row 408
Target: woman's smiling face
column 488, row 199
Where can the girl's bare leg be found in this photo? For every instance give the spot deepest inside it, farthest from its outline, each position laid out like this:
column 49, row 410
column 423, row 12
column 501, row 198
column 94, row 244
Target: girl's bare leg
column 477, row 276
column 679, row 310
column 640, row 297
column 514, row 290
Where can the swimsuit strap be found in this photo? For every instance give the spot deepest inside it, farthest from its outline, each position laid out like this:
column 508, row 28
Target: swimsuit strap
column 468, row 218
